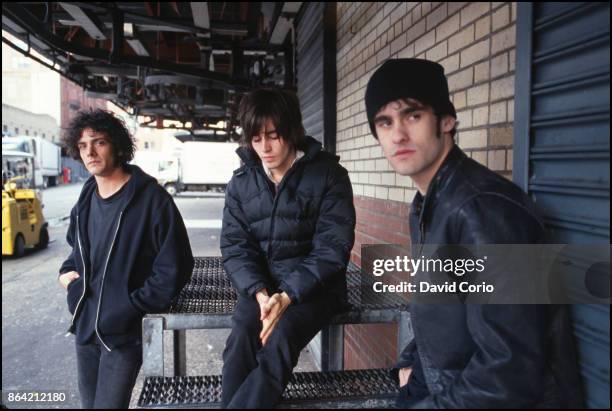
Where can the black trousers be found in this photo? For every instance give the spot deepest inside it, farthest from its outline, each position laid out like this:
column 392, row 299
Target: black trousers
column 256, row 376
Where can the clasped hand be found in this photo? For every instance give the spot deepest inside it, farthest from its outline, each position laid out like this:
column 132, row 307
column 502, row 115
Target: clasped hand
column 272, row 308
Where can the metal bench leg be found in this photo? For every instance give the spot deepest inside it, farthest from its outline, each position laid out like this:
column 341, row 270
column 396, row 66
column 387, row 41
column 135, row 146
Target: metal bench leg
column 405, row 333
column 153, row 346
column 332, row 350
column 180, row 352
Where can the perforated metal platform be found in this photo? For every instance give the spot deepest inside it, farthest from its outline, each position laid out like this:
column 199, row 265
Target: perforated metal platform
column 210, row 292
column 337, row 389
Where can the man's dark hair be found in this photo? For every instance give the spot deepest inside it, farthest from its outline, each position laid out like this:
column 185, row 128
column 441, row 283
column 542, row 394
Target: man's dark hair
column 280, row 106
column 100, row 121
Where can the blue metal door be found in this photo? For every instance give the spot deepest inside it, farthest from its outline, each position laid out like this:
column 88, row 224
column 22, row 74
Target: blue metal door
column 562, row 148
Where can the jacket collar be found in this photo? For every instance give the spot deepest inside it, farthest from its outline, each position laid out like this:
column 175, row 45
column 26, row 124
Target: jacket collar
column 250, row 158
column 422, row 206
column 139, row 180
column 299, row 154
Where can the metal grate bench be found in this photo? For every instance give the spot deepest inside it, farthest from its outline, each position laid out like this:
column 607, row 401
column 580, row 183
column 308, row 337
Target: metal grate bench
column 208, row 301
column 210, row 292
column 337, row 389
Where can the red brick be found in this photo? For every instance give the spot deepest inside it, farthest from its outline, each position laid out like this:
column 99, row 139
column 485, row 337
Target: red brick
column 378, row 222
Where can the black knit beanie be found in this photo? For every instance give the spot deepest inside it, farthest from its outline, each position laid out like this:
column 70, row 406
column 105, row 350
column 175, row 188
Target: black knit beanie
column 422, row 80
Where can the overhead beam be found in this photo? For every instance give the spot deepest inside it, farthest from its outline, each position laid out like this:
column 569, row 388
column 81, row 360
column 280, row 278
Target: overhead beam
column 118, row 36
column 141, row 27
column 201, row 17
column 148, row 23
column 112, row 71
column 230, row 29
column 130, row 33
column 22, row 16
column 284, row 21
column 180, row 24
column 87, row 20
column 138, row 47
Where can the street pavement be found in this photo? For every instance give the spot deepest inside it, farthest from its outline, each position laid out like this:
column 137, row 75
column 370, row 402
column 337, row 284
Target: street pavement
column 36, row 354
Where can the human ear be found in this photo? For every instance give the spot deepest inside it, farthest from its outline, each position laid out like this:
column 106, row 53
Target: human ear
column 448, row 123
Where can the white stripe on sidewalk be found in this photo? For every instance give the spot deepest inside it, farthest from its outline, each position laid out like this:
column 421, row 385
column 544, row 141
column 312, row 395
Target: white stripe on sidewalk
column 203, row 223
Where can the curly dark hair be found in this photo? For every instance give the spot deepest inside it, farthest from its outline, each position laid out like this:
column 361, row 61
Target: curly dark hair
column 100, row 121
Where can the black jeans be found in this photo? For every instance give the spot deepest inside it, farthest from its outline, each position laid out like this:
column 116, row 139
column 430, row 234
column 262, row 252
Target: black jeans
column 106, row 379
column 256, row 376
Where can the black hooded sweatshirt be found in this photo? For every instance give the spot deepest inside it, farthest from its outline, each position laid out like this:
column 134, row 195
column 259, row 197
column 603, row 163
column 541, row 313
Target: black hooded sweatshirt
column 148, row 263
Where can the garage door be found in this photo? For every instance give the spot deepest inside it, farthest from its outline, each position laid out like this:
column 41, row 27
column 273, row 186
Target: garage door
column 562, row 148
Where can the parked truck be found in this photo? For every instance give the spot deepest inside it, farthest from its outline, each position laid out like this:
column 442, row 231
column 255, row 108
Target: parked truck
column 47, row 157
column 163, row 166
column 198, row 166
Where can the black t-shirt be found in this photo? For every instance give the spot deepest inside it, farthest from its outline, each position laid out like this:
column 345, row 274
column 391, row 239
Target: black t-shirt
column 101, row 227
column 103, row 218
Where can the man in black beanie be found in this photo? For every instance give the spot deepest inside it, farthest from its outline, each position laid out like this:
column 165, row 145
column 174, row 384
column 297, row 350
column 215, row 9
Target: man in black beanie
column 465, row 355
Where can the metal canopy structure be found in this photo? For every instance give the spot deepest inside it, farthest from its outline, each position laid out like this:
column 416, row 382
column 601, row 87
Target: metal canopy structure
column 182, row 61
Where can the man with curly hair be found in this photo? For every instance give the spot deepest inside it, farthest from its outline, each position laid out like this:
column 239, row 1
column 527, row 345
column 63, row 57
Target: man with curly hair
column 130, row 256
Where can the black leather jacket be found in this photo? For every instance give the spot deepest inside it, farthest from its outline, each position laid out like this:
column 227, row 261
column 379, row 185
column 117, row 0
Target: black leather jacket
column 477, row 355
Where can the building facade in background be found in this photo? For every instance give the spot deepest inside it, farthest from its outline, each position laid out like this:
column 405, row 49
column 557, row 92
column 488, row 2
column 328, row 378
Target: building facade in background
column 28, row 85
column 16, row 121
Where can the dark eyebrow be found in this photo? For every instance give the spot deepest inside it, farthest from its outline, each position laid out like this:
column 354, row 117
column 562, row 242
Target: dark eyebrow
column 405, row 111
column 267, row 133
column 381, row 118
column 93, row 140
column 410, row 110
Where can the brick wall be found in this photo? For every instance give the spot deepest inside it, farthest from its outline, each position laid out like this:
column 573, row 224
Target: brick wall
column 475, row 44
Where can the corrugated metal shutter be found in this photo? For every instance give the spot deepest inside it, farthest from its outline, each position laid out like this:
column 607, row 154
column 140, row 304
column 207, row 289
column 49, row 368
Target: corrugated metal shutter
column 316, row 70
column 316, row 89
column 562, row 148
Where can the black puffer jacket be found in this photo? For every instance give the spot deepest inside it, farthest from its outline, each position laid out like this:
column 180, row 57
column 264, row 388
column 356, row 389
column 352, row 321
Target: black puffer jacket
column 298, row 240
column 486, row 356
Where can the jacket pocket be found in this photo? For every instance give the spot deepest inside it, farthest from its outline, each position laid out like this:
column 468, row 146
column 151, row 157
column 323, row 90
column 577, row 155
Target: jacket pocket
column 118, row 315
column 73, row 294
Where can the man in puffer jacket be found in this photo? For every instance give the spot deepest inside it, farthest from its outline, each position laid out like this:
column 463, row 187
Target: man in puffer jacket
column 288, row 229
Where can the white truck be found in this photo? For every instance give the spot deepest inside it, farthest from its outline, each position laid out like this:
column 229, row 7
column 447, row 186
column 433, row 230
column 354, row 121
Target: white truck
column 162, row 166
column 47, row 157
column 200, row 166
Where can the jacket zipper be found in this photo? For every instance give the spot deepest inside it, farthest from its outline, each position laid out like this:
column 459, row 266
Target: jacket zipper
column 422, row 226
column 110, row 250
column 422, row 237
column 76, row 310
column 275, row 204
